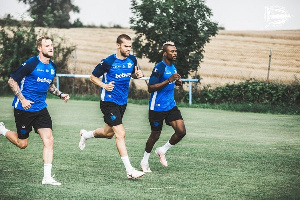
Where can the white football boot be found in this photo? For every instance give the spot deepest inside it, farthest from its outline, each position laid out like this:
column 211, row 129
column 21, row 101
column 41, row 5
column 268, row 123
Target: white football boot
column 162, row 157
column 82, row 141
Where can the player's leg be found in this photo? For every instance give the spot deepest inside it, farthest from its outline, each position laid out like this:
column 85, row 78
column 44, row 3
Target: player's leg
column 154, row 136
column 105, row 132
column 175, row 120
column 119, row 131
column 120, row 139
column 156, row 123
column 48, row 140
column 43, row 126
column 24, row 122
column 13, row 138
column 180, row 131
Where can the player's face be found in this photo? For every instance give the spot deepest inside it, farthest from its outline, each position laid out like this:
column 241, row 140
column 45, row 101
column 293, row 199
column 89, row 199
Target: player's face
column 47, row 48
column 125, row 47
column 171, row 53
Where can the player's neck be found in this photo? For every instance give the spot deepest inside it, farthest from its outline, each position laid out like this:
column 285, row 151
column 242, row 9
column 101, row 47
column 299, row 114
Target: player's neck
column 168, row 62
column 44, row 59
column 119, row 56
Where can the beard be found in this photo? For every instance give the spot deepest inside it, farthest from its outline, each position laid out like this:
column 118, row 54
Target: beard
column 124, row 54
column 47, row 55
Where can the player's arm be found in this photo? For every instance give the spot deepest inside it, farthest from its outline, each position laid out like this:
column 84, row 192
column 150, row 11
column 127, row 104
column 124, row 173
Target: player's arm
column 26, row 104
column 109, row 87
column 137, row 73
column 53, row 90
column 99, row 70
column 159, row 86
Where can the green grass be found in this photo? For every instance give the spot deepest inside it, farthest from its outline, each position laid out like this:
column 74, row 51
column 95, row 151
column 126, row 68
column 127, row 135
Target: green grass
column 225, row 155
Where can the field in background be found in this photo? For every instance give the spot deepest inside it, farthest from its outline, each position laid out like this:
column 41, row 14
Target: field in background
column 231, row 56
column 225, row 155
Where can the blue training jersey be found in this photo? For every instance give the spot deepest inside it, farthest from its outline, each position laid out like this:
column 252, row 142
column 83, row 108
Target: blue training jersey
column 162, row 100
column 119, row 71
column 34, row 79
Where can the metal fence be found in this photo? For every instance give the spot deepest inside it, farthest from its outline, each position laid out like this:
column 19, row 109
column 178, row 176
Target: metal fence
column 190, row 81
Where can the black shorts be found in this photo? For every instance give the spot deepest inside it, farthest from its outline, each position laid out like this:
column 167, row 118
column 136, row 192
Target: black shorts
column 156, row 118
column 26, row 120
column 113, row 113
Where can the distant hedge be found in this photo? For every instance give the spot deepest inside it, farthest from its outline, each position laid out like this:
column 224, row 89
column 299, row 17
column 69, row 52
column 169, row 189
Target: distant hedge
column 252, row 92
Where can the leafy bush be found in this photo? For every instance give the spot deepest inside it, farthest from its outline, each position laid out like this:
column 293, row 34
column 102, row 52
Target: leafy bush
column 250, row 92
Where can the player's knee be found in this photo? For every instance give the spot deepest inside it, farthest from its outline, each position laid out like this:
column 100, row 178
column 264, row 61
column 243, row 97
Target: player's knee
column 120, row 135
column 49, row 142
column 23, row 145
column 155, row 137
column 110, row 135
column 181, row 133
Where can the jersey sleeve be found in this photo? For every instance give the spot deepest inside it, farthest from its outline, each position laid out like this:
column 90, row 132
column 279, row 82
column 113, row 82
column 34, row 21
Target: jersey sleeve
column 25, row 69
column 133, row 58
column 157, row 72
column 54, row 66
column 101, row 68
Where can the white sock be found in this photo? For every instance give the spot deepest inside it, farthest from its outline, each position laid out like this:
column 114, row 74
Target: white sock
column 88, row 134
column 146, row 157
column 47, row 170
column 3, row 131
column 166, row 147
column 126, row 163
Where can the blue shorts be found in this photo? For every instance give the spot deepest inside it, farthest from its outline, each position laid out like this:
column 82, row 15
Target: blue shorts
column 156, row 118
column 26, row 120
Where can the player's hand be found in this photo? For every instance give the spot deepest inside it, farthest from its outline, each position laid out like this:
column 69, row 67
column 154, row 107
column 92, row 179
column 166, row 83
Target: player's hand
column 174, row 77
column 138, row 73
column 178, row 82
column 26, row 104
column 109, row 87
column 65, row 97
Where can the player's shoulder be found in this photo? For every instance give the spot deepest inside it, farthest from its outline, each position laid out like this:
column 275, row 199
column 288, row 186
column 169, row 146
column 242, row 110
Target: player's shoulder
column 53, row 64
column 132, row 57
column 32, row 61
column 110, row 59
column 160, row 66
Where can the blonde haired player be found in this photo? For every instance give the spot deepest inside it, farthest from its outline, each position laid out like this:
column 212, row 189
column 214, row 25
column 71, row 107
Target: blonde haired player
column 30, row 84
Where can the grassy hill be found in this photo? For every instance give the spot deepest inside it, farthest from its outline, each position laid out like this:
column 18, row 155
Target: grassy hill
column 231, row 56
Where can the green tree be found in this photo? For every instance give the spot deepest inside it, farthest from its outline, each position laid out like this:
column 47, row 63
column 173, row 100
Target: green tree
column 51, row 13
column 187, row 23
column 18, row 43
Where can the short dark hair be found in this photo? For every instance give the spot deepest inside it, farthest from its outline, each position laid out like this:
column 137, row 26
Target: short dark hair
column 122, row 36
column 167, row 44
column 40, row 39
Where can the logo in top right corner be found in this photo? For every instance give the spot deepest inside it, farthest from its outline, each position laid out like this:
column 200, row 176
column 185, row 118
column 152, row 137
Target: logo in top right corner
column 276, row 16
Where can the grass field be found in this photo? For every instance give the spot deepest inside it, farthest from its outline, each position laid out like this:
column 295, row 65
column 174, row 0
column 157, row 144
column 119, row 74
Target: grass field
column 225, row 155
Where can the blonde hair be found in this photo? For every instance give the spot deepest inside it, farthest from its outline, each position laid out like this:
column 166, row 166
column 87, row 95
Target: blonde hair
column 40, row 39
column 167, row 44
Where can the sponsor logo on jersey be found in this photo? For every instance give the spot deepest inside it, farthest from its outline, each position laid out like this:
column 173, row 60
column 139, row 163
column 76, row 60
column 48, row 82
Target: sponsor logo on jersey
column 44, row 80
column 123, row 75
column 52, row 71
